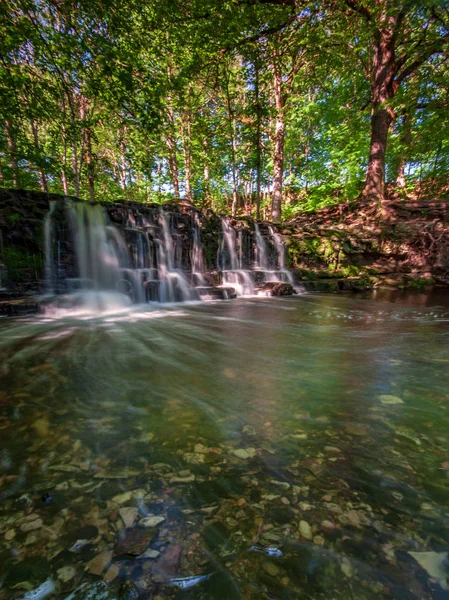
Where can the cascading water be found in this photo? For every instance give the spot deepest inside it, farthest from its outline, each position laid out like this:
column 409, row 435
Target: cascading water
column 197, row 257
column 261, row 250
column 104, row 259
column 174, row 285
column 233, row 275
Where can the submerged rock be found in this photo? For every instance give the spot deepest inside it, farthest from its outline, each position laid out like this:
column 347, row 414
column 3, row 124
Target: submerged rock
column 43, row 591
column 91, row 591
column 134, row 541
column 435, row 565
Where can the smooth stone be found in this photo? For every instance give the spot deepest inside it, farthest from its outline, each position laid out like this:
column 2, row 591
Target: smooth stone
column 305, row 530
column 389, row 399
column 66, row 573
column 271, row 568
column 10, row 535
column 41, row 427
column 245, row 453
column 150, row 553
column 134, row 541
column 177, row 479
column 151, row 521
column 32, row 525
column 128, row 515
column 111, row 573
column 99, row 563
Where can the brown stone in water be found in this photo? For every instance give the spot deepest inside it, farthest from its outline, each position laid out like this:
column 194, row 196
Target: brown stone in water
column 134, row 540
column 169, row 562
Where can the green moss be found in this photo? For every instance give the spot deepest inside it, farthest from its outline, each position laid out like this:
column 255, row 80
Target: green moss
column 22, row 265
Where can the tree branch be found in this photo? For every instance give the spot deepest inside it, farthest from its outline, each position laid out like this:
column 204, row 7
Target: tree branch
column 434, row 48
column 358, row 7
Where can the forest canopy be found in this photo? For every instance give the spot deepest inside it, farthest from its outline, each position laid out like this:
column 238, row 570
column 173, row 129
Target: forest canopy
column 262, row 107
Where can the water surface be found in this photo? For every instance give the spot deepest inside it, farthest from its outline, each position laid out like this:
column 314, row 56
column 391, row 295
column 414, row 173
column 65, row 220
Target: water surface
column 275, row 448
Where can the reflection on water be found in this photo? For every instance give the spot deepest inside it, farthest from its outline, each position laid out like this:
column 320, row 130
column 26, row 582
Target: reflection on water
column 292, row 448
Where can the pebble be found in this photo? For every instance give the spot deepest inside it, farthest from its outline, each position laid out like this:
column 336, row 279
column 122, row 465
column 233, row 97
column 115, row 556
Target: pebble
column 128, row 515
column 151, row 521
column 305, row 530
column 10, row 535
column 389, row 399
column 99, row 563
column 271, row 568
column 245, row 453
column 66, row 573
column 111, row 573
column 31, row 525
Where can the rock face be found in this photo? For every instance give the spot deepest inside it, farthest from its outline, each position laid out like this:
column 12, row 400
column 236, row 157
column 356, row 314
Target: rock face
column 341, row 248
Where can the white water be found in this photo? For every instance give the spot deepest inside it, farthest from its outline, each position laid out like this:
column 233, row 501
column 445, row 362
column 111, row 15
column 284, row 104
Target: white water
column 143, row 261
column 174, row 285
column 196, row 256
column 262, row 262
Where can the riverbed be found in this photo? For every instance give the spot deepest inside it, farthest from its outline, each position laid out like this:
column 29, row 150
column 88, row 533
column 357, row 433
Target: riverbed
column 255, row 448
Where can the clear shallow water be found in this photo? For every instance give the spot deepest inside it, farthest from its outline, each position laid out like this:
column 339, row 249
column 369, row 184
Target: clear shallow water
column 315, row 427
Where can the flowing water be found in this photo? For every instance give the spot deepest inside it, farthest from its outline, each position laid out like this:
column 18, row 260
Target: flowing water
column 259, row 448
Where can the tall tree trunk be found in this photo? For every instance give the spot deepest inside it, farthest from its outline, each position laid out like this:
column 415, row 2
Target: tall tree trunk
column 206, row 174
column 186, row 127
column 172, row 158
column 279, row 143
column 65, row 185
column 122, row 168
column 187, row 158
column 42, row 176
column 382, row 116
column 231, row 122
column 258, row 145
column 90, row 165
column 12, row 149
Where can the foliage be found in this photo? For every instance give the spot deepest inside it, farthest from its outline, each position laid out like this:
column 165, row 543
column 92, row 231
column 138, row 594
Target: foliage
column 142, row 101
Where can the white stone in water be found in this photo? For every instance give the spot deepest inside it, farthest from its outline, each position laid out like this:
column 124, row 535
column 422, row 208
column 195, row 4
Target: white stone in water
column 122, row 498
column 128, row 515
column 389, row 399
column 44, row 590
column 150, row 553
column 305, row 530
column 186, row 479
column 66, row 573
column 434, row 564
column 245, row 453
column 346, row 568
column 151, row 521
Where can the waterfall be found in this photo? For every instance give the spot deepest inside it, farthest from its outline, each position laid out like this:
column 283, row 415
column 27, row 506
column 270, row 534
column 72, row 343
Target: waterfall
column 262, row 262
column 174, row 285
column 105, row 257
column 49, row 242
column 280, row 247
column 229, row 245
column 196, row 256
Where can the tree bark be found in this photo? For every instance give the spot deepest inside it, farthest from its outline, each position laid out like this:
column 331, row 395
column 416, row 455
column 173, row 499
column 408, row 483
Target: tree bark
column 382, row 91
column 42, row 176
column 258, row 144
column 279, row 143
column 12, row 149
column 231, row 121
column 172, row 159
